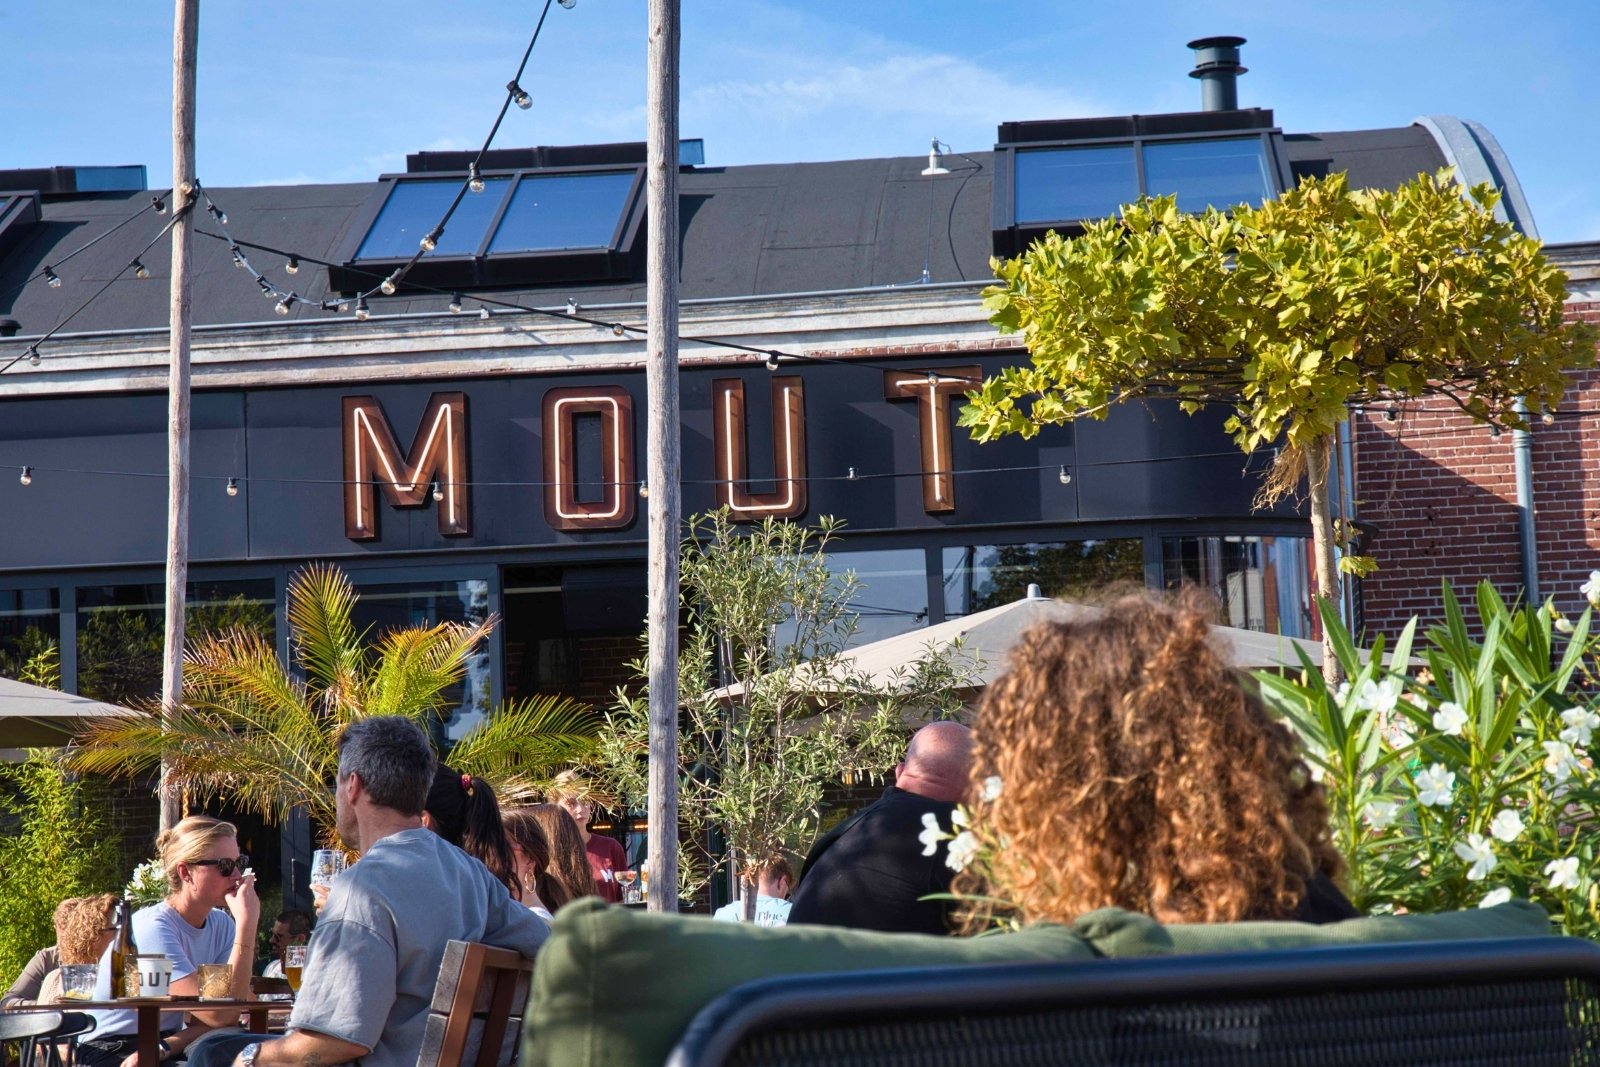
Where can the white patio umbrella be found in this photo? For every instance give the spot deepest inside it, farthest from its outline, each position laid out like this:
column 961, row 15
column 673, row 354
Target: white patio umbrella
column 34, row 717
column 987, row 637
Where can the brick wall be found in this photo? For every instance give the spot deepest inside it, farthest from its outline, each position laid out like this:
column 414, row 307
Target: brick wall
column 1441, row 492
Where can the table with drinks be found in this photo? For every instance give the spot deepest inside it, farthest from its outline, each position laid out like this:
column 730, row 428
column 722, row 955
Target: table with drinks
column 148, row 1011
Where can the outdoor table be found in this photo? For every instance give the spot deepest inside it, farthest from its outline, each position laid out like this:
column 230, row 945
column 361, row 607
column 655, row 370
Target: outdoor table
column 148, row 1011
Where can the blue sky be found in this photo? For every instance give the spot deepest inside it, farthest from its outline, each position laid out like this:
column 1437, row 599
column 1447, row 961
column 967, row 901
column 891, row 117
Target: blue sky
column 323, row 90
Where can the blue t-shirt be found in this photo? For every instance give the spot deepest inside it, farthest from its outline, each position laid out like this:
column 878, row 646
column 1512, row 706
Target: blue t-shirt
column 770, row 911
column 160, row 929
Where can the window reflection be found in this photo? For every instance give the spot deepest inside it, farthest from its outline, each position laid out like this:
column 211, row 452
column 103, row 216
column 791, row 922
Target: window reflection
column 891, row 595
column 30, row 631
column 563, row 211
column 1057, row 184
column 1206, row 174
column 413, row 208
column 121, row 630
column 383, row 608
column 1262, row 582
column 979, row 577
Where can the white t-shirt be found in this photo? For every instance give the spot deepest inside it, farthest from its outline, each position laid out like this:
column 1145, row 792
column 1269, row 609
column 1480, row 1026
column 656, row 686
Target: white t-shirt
column 770, row 911
column 374, row 956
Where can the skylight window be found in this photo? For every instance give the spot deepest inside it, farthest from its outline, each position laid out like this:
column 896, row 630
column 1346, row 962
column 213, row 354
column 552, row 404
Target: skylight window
column 1074, row 183
column 526, row 227
column 1204, row 174
column 1069, row 184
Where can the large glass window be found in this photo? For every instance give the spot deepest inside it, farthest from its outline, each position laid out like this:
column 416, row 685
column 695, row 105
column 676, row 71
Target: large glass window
column 978, row 577
column 121, row 630
column 383, row 608
column 1091, row 182
column 1206, row 174
column 415, row 207
column 30, row 630
column 891, row 595
column 1262, row 582
column 562, row 211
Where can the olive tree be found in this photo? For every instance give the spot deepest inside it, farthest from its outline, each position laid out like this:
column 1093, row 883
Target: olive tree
column 771, row 714
column 1289, row 313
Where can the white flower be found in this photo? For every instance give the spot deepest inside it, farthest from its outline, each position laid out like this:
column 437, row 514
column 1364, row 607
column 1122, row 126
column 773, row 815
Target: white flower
column 931, row 833
column 1559, row 761
column 1563, row 873
column 1341, row 694
column 1380, row 697
column 1506, row 826
column 961, row 851
column 1581, row 723
column 1380, row 813
column 991, row 788
column 959, row 817
column 1495, row 897
column 1477, row 850
column 1450, row 718
column 1564, row 625
column 1591, row 589
column 1384, row 908
column 1435, row 785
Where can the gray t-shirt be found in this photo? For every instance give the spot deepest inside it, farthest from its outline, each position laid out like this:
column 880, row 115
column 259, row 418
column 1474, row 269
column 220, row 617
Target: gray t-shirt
column 375, row 953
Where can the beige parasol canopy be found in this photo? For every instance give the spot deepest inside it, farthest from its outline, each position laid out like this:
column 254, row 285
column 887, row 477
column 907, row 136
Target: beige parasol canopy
column 34, row 717
column 986, row 639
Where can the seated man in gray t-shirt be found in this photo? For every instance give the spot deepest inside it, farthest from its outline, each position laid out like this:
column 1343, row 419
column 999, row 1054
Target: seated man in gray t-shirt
column 375, row 954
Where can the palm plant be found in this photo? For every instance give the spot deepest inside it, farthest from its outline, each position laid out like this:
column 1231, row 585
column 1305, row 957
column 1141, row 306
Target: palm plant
column 255, row 732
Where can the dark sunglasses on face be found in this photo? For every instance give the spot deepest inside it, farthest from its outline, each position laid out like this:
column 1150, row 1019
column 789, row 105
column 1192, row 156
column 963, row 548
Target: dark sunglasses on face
column 225, row 867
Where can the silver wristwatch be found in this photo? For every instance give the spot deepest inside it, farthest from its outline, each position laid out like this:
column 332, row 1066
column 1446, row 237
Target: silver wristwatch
column 247, row 1055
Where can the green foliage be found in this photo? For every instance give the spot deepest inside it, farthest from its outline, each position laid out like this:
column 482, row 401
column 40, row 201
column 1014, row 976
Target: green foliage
column 35, row 658
column 1288, row 312
column 253, row 732
column 119, row 650
column 1068, row 570
column 58, row 850
column 770, row 715
column 1469, row 778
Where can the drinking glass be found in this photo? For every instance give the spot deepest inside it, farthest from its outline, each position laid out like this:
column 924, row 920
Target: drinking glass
column 216, row 981
column 294, row 961
column 77, row 980
column 326, row 865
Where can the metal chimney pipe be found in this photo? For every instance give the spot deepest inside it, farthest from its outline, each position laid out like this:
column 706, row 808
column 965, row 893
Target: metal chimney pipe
column 1216, row 64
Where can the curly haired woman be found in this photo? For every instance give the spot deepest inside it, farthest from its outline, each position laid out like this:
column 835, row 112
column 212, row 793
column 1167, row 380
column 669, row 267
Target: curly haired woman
column 1123, row 762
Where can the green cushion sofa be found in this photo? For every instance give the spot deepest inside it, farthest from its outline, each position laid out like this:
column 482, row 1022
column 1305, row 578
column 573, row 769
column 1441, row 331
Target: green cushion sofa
column 616, row 987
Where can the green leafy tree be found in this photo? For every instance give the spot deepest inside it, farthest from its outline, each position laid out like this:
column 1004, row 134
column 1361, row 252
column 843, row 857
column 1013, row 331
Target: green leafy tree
column 54, row 848
column 1289, row 313
column 266, row 738
column 34, row 658
column 119, row 650
column 1470, row 780
column 771, row 716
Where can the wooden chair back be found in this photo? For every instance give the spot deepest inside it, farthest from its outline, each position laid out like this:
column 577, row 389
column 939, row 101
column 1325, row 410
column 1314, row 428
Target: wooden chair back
column 475, row 1019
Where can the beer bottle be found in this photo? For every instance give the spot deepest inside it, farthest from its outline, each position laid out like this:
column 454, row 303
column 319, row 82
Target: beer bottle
column 124, row 956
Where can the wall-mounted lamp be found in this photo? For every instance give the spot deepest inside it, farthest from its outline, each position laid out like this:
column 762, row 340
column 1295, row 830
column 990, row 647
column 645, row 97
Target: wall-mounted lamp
column 935, row 160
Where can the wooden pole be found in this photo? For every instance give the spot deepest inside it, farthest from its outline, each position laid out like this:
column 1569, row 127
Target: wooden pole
column 185, row 51
column 662, row 476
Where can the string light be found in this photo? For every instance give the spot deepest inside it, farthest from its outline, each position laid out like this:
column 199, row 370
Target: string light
column 293, row 266
column 438, row 493
column 140, row 271
column 474, row 179
column 33, row 355
column 51, row 278
column 1064, row 475
column 618, row 329
column 484, row 312
column 850, row 474
column 1392, row 413
column 27, row 476
column 518, row 95
column 216, row 213
column 455, row 304
column 362, row 314
column 389, row 284
column 233, row 487
column 159, row 204
column 286, row 303
column 772, row 361
column 573, row 307
column 644, row 490
column 431, row 240
column 238, row 258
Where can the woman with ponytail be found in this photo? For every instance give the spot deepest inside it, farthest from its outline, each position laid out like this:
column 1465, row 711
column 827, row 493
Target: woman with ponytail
column 463, row 810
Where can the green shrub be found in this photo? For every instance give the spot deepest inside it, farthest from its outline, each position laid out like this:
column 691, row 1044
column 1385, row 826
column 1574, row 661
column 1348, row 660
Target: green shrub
column 1467, row 780
column 54, row 847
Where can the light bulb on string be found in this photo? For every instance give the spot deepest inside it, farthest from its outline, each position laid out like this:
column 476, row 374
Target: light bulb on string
column 484, row 313
column 159, row 204
column 362, row 314
column 286, row 303
column 265, row 287
column 438, row 493
column 140, row 271
column 27, row 476
column 573, row 307
column 51, row 278
column 644, row 489
column 455, row 304
column 519, row 96
column 618, row 329
column 233, row 487
column 293, row 266
column 568, row 4
column 388, row 285
column 850, row 474
column 238, row 257
column 33, row 355
column 772, row 361
column 430, row 240
column 474, row 179
column 218, row 214
column 1549, row 418
column 1064, row 475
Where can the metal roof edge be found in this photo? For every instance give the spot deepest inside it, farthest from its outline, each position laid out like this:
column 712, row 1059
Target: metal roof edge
column 1472, row 150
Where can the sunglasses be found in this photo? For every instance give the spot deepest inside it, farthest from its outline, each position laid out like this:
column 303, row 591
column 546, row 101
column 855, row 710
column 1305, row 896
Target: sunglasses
column 225, row 867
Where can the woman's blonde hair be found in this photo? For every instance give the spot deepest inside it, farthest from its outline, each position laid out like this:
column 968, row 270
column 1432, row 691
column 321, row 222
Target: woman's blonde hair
column 569, row 860
column 79, row 923
column 1137, row 770
column 188, row 841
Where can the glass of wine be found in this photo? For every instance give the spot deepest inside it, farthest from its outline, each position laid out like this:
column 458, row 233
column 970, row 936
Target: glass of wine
column 294, row 961
column 326, row 865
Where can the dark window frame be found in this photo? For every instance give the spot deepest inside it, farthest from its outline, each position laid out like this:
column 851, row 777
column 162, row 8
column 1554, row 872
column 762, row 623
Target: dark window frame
column 1012, row 236
column 482, row 269
column 19, row 211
